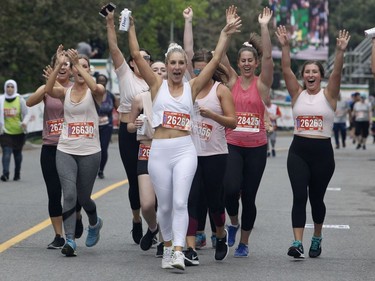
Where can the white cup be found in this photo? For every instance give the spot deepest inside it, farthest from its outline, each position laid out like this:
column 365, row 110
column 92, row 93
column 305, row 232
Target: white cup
column 370, row 32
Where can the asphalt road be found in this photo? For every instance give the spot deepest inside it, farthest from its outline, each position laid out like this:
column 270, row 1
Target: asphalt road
column 348, row 245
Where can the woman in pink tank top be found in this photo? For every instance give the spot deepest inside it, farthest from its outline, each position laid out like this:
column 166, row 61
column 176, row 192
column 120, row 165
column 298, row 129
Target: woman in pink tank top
column 247, row 144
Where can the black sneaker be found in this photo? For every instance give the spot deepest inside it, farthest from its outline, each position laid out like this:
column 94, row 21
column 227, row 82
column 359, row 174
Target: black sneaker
column 147, row 239
column 222, row 249
column 296, row 250
column 316, row 247
column 79, row 228
column 57, row 243
column 159, row 250
column 4, row 177
column 191, row 257
column 101, row 175
column 137, row 232
column 16, row 177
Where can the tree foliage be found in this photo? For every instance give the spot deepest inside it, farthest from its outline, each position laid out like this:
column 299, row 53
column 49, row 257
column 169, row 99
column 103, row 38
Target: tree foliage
column 32, row 30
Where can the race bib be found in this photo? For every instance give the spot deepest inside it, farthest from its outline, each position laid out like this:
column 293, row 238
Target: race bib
column 143, row 152
column 103, row 120
column 309, row 123
column 203, row 130
column 360, row 115
column 248, row 122
column 81, row 129
column 10, row 112
column 176, row 120
column 54, row 127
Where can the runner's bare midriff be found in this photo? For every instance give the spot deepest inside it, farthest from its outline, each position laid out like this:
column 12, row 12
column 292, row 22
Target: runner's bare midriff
column 167, row 133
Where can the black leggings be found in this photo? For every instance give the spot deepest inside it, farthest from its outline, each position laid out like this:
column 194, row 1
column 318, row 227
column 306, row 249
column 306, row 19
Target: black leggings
column 128, row 146
column 244, row 172
column 51, row 178
column 310, row 167
column 207, row 187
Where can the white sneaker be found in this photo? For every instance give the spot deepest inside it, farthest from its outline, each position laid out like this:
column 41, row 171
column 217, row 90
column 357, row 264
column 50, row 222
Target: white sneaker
column 167, row 257
column 178, row 260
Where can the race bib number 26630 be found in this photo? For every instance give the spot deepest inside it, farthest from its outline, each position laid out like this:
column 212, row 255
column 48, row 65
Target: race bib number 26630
column 81, row 129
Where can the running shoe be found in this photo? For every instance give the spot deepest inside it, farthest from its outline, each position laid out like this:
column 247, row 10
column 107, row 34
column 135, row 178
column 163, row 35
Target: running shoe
column 296, row 250
column 5, row 177
column 137, row 232
column 69, row 248
column 316, row 247
column 178, row 260
column 222, row 248
column 147, row 239
column 159, row 250
column 101, row 175
column 57, row 243
column 242, row 251
column 17, row 177
column 79, row 228
column 93, row 234
column 200, row 240
column 191, row 257
column 167, row 257
column 213, row 241
column 232, row 231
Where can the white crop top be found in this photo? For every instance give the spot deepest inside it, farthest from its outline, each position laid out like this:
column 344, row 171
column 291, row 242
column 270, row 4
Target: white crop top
column 313, row 115
column 165, row 102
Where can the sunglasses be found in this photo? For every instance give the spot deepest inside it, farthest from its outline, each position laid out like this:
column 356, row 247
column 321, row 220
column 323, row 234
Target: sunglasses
column 147, row 57
column 197, row 71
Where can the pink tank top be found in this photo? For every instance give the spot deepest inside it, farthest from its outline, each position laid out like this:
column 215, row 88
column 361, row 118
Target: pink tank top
column 208, row 135
column 53, row 118
column 250, row 130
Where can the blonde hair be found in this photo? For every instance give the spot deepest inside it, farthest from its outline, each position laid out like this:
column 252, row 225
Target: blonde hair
column 174, row 48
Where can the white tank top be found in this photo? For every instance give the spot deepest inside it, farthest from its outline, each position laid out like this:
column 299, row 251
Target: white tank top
column 165, row 102
column 208, row 135
column 80, row 132
column 313, row 115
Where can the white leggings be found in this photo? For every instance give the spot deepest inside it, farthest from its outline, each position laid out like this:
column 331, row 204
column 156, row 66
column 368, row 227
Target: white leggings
column 171, row 166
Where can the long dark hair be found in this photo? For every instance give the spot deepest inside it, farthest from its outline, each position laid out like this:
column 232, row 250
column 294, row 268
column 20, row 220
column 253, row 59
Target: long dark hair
column 130, row 58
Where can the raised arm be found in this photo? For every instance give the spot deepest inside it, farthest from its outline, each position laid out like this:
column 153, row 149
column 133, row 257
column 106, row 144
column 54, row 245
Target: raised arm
column 116, row 54
column 198, row 83
column 231, row 15
column 333, row 87
column 266, row 76
column 188, row 38
column 50, row 89
column 294, row 88
column 97, row 90
column 152, row 79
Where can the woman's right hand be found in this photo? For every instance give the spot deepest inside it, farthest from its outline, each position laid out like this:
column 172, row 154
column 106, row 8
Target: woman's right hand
column 188, row 14
column 282, row 35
